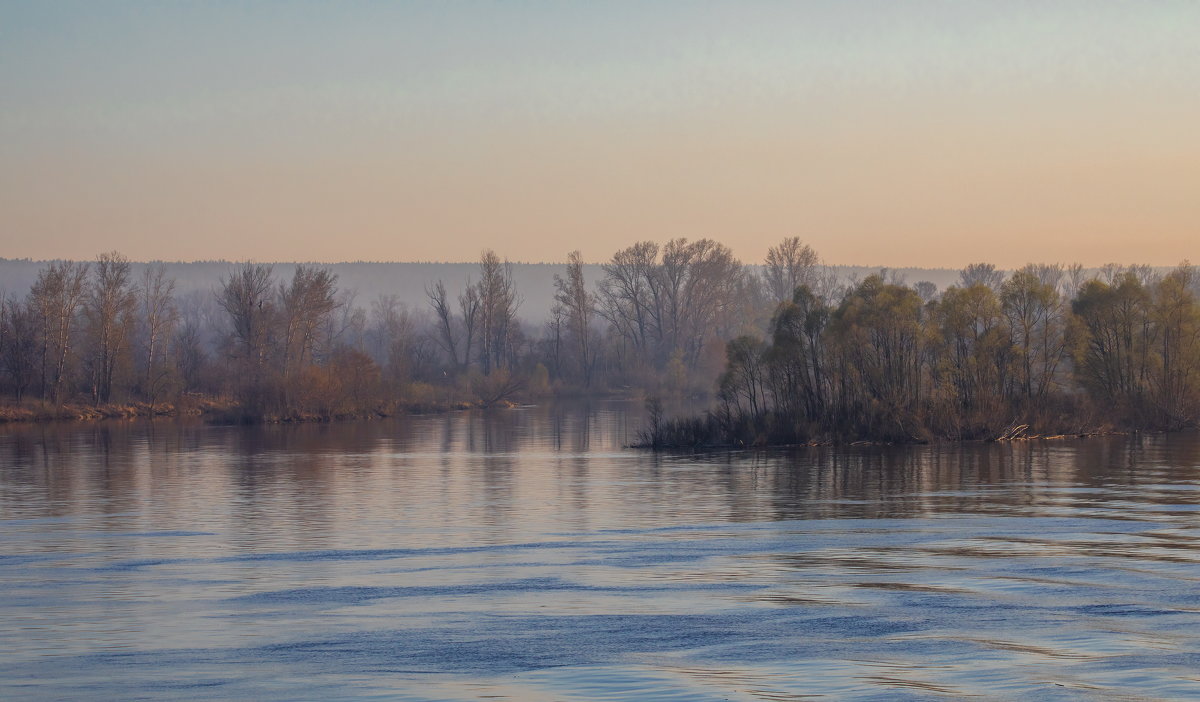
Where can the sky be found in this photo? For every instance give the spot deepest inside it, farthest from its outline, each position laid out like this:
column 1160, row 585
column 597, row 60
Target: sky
column 918, row 133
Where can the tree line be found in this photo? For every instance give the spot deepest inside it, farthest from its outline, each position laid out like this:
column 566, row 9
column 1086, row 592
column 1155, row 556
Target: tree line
column 96, row 335
column 1047, row 350
column 790, row 351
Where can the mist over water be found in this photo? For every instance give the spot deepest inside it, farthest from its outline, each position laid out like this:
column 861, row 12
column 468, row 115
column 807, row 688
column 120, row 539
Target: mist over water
column 525, row 554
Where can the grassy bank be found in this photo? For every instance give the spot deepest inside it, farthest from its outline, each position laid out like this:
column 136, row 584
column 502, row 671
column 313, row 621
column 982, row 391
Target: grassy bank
column 215, row 410
column 41, row 411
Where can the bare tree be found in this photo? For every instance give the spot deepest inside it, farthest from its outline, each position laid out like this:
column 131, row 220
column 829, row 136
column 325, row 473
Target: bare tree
column 790, row 264
column 577, row 307
column 195, row 337
column 1051, row 274
column 625, row 294
column 1036, row 321
column 19, row 345
column 693, row 285
column 156, row 297
column 54, row 300
column 305, row 304
column 395, row 342
column 388, row 321
column 246, row 296
column 1111, row 272
column 671, row 306
column 468, row 308
column 109, row 310
column 6, row 312
column 714, row 281
column 345, row 326
column 552, row 339
column 981, row 274
column 5, row 327
column 1073, row 279
column 445, row 320
column 498, row 303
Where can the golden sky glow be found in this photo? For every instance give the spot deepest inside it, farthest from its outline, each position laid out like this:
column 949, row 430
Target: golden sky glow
column 922, row 133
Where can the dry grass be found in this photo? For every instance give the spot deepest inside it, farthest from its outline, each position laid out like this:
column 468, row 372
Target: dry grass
column 41, row 411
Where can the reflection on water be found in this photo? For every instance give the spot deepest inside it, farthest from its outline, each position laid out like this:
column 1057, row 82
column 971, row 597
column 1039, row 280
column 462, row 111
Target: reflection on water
column 524, row 554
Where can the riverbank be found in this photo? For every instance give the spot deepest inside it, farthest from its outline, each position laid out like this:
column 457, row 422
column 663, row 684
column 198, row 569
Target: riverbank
column 40, row 411
column 217, row 410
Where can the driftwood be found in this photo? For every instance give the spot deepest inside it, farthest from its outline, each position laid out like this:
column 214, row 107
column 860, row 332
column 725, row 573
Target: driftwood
column 1014, row 432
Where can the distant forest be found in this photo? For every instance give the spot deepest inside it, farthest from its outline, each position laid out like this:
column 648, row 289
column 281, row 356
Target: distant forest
column 791, row 350
column 364, row 281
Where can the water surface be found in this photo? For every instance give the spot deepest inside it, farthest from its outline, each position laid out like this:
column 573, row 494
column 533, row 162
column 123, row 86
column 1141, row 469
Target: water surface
column 524, row 554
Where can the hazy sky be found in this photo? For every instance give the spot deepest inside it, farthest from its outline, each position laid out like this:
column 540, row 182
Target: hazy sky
column 885, row 133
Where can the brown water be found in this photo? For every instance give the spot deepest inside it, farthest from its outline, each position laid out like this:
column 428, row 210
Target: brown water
column 524, row 554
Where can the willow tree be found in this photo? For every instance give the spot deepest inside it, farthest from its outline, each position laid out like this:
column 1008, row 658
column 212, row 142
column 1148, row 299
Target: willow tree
column 1113, row 343
column 1036, row 317
column 972, row 355
column 797, row 373
column 745, row 376
column 876, row 349
column 1173, row 394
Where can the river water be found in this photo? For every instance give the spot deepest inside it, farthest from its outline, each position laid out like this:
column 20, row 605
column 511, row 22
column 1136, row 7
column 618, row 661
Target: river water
column 524, row 554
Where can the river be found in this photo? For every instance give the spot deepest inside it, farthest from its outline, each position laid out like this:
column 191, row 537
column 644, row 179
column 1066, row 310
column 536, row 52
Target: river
column 525, row 554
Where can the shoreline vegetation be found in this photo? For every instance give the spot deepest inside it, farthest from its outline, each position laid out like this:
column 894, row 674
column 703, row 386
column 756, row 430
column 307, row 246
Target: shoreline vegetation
column 784, row 352
column 997, row 358
column 211, row 409
column 696, row 434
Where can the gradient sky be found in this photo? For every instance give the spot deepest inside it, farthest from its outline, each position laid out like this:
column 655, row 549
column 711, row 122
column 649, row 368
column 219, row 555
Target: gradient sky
column 884, row 133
